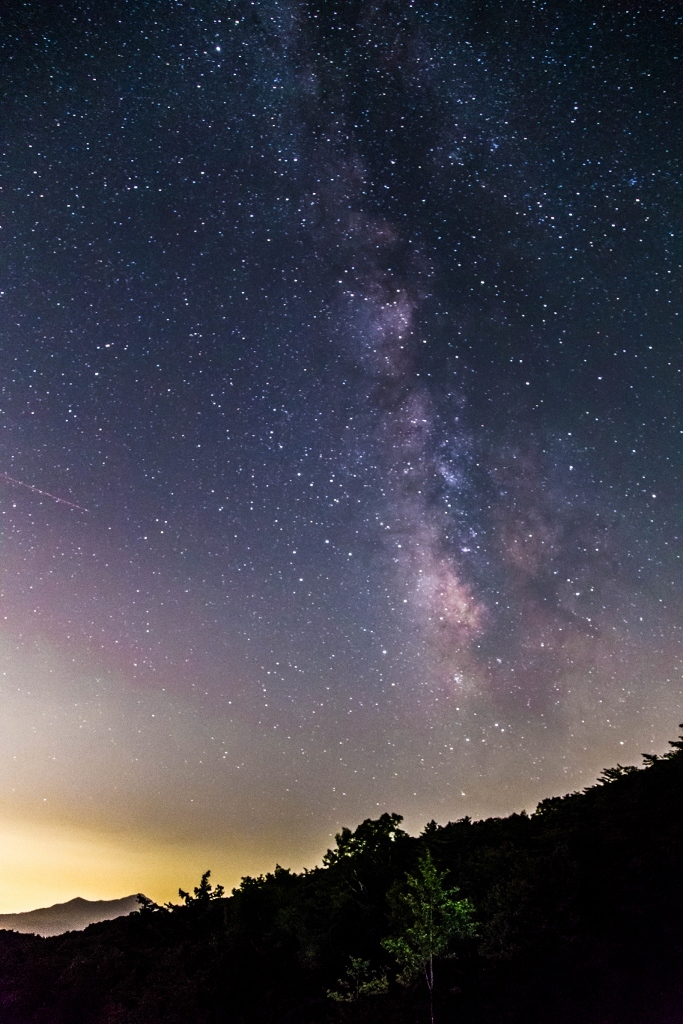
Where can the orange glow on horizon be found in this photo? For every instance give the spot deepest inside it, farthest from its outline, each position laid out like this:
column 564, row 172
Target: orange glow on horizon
column 41, row 865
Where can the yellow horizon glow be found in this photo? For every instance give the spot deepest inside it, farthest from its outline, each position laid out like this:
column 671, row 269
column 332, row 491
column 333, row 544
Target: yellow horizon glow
column 44, row 864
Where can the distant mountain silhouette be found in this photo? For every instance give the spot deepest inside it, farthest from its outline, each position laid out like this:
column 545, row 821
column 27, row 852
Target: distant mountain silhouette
column 73, row 916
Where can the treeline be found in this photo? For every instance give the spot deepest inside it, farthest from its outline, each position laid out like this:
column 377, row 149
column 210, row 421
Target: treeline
column 570, row 914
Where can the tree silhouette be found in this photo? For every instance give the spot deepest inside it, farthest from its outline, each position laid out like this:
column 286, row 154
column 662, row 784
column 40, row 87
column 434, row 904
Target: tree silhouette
column 203, row 892
column 373, row 839
column 360, row 980
column 431, row 916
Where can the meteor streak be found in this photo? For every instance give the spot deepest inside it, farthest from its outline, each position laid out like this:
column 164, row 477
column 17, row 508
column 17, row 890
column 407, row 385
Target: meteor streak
column 45, row 494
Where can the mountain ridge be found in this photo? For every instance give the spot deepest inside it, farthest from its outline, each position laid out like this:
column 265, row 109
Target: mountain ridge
column 73, row 915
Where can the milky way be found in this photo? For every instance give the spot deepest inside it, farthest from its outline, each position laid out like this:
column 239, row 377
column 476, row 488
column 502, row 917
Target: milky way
column 355, row 327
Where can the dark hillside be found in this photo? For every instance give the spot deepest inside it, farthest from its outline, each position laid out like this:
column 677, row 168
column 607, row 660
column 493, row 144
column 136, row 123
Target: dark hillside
column 578, row 910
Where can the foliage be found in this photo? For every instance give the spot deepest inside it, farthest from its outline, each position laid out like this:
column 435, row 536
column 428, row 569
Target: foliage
column 612, row 774
column 148, row 906
column 431, row 917
column 359, row 980
column 203, row 892
column 578, row 917
column 371, row 839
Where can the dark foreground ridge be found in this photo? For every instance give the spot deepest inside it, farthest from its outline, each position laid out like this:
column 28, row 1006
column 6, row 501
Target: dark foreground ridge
column 577, row 913
column 75, row 915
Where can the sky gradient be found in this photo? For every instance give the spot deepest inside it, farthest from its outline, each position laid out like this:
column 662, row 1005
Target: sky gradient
column 349, row 337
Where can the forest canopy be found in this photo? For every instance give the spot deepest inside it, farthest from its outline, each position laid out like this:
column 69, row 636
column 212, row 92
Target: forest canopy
column 570, row 913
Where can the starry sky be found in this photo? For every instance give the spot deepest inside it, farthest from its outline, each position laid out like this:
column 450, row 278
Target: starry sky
column 348, row 337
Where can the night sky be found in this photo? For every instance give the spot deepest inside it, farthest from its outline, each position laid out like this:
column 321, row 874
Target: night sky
column 348, row 335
